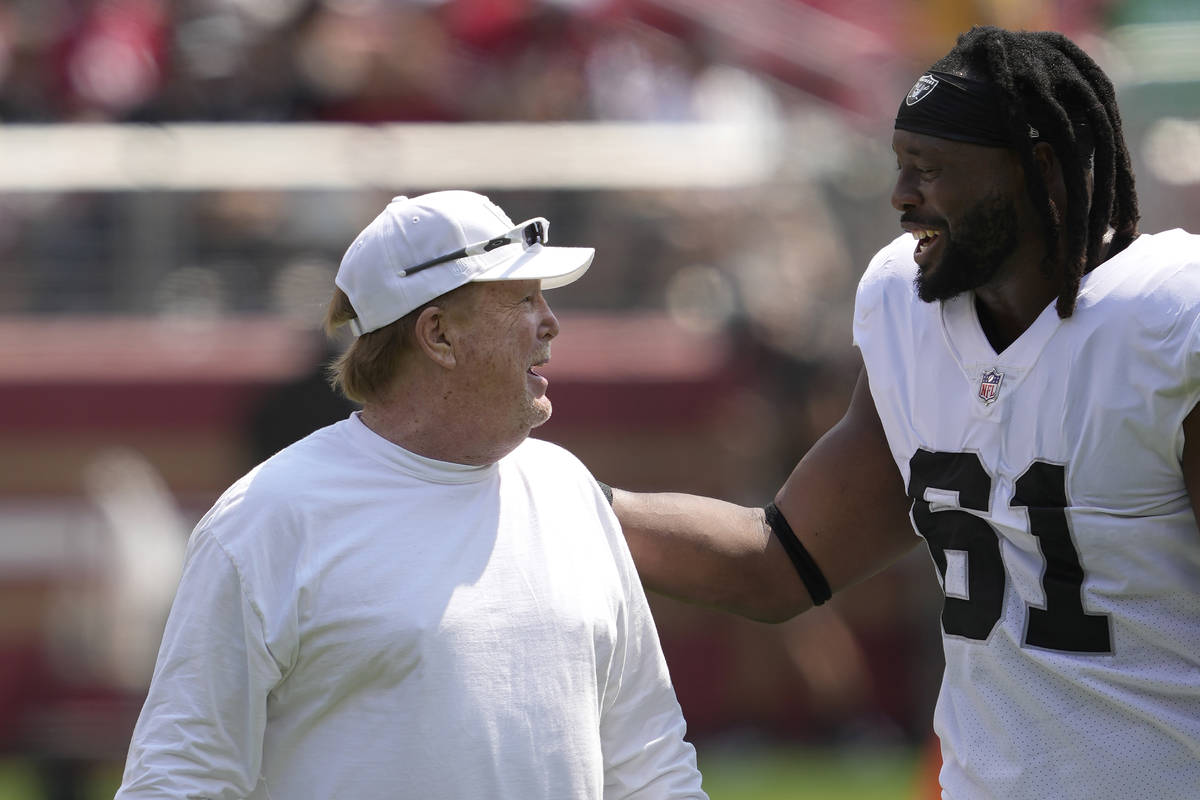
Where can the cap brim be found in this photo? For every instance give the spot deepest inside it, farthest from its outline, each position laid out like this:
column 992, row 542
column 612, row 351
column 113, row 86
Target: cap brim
column 553, row 266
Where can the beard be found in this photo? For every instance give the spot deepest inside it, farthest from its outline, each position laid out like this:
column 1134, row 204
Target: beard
column 983, row 238
column 538, row 411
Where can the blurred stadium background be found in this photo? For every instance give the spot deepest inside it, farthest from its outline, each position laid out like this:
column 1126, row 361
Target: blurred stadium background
column 178, row 181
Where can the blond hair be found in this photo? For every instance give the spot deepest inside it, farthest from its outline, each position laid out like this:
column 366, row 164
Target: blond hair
column 366, row 368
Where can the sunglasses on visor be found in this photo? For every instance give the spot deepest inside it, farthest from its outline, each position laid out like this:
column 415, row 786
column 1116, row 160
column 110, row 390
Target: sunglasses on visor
column 527, row 234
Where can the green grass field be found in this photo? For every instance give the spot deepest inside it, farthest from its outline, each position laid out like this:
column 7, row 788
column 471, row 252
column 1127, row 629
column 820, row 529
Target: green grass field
column 775, row 774
column 791, row 774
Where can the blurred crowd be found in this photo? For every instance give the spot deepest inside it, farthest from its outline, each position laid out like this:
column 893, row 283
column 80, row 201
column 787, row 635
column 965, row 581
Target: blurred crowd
column 348, row 60
column 462, row 60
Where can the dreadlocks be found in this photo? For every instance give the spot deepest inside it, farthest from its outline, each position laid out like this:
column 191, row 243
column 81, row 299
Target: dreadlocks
column 1053, row 86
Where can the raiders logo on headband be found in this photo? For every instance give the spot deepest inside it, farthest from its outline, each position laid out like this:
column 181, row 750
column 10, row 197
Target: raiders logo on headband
column 920, row 89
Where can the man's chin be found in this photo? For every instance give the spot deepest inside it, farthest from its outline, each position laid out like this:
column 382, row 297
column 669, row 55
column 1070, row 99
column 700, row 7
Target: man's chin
column 540, row 414
column 944, row 280
column 930, row 296
column 931, row 291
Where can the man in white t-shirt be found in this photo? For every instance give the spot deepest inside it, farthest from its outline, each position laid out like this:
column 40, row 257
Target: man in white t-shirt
column 419, row 601
column 1029, row 405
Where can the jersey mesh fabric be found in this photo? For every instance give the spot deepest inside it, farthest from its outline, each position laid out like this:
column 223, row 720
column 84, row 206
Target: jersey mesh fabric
column 1058, row 522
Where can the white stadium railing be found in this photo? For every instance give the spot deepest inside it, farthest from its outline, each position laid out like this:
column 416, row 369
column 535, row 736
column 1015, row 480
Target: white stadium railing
column 292, row 156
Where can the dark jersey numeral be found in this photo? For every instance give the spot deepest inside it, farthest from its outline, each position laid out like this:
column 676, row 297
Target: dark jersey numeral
column 1062, row 624
column 951, row 529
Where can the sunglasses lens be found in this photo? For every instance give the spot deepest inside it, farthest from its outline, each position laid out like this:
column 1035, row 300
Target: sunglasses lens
column 534, row 234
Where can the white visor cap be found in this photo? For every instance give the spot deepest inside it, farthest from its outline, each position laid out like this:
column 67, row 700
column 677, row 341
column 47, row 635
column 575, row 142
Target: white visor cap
column 411, row 232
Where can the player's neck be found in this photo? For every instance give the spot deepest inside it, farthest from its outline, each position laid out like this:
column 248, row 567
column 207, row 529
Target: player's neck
column 1007, row 310
column 1019, row 292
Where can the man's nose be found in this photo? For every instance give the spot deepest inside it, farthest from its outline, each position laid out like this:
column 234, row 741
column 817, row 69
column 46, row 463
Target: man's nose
column 549, row 322
column 904, row 193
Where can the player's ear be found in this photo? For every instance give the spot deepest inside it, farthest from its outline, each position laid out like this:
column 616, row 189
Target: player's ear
column 432, row 336
column 1050, row 169
column 1048, row 165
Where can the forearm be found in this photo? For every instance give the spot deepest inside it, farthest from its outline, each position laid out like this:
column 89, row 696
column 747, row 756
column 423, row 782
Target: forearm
column 844, row 502
column 710, row 552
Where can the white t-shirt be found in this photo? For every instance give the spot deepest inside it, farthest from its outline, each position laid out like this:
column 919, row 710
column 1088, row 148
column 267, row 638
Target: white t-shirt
column 1047, row 482
column 356, row 621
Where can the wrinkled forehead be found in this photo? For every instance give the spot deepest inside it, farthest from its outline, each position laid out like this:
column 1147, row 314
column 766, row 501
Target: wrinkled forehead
column 499, row 293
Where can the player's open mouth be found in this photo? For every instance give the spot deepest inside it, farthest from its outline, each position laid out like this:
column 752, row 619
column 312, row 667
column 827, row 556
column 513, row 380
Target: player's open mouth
column 926, row 238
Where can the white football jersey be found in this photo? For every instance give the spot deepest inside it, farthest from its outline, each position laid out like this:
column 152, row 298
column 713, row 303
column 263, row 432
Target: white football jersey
column 1047, row 482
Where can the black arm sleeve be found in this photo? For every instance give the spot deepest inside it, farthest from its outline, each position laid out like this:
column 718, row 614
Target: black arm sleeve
column 814, row 580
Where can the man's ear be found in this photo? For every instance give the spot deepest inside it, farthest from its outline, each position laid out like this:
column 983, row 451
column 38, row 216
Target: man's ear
column 433, row 338
column 1050, row 168
column 1047, row 162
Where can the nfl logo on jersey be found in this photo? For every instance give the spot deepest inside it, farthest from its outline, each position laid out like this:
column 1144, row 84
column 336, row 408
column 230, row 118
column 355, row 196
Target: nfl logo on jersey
column 989, row 386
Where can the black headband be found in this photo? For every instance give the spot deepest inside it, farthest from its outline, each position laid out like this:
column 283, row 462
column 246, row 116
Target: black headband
column 953, row 107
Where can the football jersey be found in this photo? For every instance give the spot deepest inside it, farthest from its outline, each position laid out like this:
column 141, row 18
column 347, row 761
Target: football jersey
column 1046, row 481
